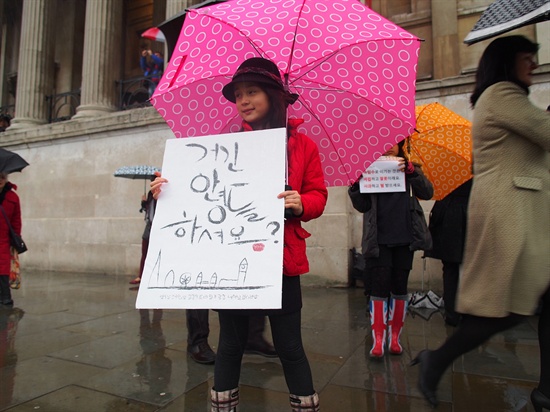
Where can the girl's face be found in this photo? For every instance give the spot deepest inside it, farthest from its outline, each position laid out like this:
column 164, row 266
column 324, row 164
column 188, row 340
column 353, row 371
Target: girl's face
column 394, row 151
column 252, row 103
column 525, row 64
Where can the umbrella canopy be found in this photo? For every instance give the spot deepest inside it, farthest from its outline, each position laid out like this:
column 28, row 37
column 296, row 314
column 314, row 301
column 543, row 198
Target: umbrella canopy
column 354, row 71
column 171, row 28
column 144, row 172
column 137, row 172
column 153, row 33
column 443, row 145
column 11, row 162
column 504, row 15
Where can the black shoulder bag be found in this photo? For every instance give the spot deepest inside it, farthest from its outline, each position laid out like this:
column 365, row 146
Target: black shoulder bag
column 16, row 241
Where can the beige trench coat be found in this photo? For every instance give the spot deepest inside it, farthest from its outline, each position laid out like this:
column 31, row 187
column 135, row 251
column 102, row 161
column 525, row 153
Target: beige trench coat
column 507, row 253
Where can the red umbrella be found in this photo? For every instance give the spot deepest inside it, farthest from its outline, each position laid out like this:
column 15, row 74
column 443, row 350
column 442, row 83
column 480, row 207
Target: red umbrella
column 354, row 71
column 153, row 33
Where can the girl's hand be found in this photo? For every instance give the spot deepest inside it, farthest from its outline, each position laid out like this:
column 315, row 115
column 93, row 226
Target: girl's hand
column 293, row 201
column 401, row 164
column 156, row 185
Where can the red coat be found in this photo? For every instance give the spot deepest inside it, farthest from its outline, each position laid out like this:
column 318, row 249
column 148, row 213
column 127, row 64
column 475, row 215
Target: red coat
column 12, row 208
column 305, row 175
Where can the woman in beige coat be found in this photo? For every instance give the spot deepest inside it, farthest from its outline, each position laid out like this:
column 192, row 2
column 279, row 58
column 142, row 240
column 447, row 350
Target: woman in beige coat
column 507, row 259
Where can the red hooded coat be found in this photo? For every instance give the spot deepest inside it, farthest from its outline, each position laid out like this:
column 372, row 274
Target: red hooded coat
column 305, row 175
column 12, row 208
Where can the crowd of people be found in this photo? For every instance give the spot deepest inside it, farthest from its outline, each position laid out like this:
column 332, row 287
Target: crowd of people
column 491, row 234
column 494, row 227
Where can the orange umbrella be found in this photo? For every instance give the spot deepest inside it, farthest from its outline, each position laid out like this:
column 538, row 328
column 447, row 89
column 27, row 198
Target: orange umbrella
column 443, row 146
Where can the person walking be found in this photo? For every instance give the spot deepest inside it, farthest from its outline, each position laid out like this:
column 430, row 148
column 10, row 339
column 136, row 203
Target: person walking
column 261, row 100
column 9, row 202
column 448, row 219
column 393, row 228
column 148, row 205
column 506, row 267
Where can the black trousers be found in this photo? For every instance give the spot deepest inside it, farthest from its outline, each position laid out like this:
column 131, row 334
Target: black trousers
column 287, row 338
column 389, row 272
column 198, row 327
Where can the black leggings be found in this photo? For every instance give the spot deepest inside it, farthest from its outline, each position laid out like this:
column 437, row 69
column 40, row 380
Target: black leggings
column 389, row 272
column 544, row 344
column 384, row 280
column 287, row 339
column 471, row 332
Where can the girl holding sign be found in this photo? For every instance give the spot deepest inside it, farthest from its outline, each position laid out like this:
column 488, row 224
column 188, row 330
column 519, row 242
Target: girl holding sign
column 393, row 228
column 261, row 100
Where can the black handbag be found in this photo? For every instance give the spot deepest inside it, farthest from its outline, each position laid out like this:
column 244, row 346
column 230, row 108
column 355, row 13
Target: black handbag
column 16, row 241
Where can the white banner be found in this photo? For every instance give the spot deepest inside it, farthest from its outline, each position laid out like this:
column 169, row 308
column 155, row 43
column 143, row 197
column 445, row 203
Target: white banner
column 217, row 235
column 382, row 176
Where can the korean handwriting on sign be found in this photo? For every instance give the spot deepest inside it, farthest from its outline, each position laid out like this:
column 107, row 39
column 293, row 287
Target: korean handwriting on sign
column 227, row 214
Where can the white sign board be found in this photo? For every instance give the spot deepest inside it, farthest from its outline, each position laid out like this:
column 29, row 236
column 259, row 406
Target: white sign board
column 383, row 176
column 217, row 235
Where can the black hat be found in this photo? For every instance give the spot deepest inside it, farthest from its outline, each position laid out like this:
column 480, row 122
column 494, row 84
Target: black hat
column 256, row 70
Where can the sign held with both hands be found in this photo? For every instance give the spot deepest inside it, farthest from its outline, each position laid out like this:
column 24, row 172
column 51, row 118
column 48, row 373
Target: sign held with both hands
column 383, row 176
column 217, row 235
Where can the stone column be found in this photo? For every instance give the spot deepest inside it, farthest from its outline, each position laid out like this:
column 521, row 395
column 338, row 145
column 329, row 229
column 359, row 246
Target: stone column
column 175, row 6
column 446, row 58
column 102, row 57
column 35, row 78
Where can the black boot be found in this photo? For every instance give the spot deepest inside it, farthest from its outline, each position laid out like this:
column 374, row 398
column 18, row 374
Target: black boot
column 5, row 291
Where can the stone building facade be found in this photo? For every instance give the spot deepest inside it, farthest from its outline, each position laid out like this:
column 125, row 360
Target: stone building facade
column 67, row 68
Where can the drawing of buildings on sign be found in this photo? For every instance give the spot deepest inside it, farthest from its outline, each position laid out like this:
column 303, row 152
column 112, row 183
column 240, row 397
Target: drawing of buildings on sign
column 200, row 280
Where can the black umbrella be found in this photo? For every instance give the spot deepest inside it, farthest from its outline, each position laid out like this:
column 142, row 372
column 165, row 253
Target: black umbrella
column 171, row 28
column 11, row 162
column 137, row 172
column 505, row 15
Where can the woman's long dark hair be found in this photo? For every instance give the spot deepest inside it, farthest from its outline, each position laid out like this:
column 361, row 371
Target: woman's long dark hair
column 498, row 62
column 277, row 115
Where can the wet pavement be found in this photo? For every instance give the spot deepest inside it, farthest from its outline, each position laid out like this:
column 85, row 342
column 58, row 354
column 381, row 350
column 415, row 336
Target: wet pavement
column 75, row 343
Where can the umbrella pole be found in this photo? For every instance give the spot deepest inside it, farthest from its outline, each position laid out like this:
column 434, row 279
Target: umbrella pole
column 423, row 272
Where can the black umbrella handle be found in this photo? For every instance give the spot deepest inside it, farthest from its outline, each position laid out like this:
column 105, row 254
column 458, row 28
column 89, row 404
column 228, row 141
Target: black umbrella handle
column 288, row 212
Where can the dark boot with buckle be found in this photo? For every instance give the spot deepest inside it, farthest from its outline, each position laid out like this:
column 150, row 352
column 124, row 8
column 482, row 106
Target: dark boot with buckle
column 305, row 403
column 5, row 291
column 225, row 401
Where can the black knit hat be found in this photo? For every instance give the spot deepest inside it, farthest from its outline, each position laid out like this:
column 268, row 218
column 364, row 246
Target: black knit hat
column 256, row 70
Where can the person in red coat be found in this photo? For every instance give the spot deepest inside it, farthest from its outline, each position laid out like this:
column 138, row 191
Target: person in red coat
column 12, row 208
column 261, row 100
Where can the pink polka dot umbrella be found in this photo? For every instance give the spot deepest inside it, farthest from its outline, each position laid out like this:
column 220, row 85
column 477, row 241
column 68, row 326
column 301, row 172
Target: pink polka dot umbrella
column 354, row 71
column 443, row 145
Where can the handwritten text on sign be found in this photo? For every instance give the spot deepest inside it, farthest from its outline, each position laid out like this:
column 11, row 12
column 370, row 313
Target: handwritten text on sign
column 383, row 175
column 217, row 235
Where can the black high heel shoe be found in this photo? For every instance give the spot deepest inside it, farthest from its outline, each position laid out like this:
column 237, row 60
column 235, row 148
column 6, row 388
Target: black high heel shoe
column 428, row 391
column 539, row 400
